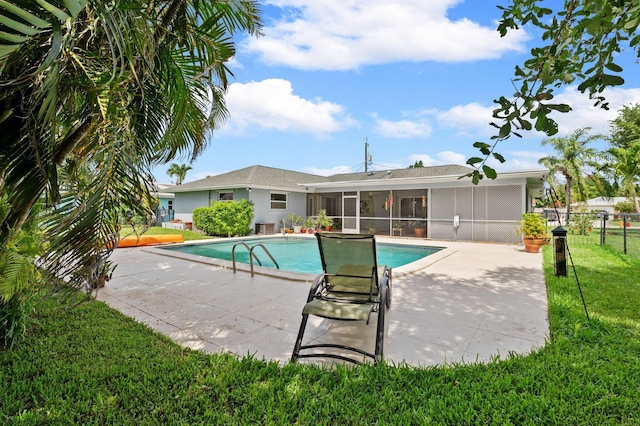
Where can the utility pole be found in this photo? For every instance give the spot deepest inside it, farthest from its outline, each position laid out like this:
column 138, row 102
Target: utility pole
column 367, row 156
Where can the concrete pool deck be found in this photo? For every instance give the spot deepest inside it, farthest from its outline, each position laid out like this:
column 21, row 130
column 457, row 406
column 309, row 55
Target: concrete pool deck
column 470, row 302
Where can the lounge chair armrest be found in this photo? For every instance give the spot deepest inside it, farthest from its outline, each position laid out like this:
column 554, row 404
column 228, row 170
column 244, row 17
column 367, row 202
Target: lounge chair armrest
column 317, row 282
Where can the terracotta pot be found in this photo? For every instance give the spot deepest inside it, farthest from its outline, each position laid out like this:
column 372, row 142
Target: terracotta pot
column 419, row 232
column 532, row 245
column 310, row 231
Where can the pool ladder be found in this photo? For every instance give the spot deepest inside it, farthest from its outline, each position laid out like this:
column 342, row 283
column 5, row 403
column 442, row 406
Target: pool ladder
column 252, row 255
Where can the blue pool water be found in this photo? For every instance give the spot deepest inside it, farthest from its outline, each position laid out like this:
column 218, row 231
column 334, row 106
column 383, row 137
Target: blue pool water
column 300, row 254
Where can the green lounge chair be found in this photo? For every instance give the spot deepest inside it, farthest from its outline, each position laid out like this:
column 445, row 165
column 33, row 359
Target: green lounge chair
column 351, row 288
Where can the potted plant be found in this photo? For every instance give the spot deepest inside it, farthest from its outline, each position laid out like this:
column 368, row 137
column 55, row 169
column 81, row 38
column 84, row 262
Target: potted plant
column 534, row 231
column 310, row 224
column 296, row 222
column 418, row 228
column 324, row 220
column 371, row 227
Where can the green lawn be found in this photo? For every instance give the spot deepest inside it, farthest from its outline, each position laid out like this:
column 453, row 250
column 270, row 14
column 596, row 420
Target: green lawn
column 94, row 365
column 615, row 238
column 156, row 230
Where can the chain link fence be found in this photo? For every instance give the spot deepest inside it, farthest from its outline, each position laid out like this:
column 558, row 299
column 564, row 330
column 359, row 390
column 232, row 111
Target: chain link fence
column 619, row 231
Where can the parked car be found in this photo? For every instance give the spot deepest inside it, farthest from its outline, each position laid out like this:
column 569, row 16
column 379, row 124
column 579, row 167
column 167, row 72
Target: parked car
column 550, row 214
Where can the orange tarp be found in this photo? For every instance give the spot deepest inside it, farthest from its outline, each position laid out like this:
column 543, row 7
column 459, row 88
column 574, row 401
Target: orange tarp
column 145, row 240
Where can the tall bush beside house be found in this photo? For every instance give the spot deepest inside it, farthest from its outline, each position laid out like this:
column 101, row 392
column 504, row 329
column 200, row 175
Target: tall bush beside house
column 225, row 218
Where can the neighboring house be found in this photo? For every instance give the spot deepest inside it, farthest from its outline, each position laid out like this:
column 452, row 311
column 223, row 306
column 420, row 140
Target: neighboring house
column 432, row 198
column 165, row 210
column 600, row 203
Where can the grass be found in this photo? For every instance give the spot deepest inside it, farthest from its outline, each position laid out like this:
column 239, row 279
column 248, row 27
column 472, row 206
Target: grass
column 615, row 238
column 156, row 230
column 94, row 365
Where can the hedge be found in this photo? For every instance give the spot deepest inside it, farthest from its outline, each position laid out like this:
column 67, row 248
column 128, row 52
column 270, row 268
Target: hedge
column 225, row 218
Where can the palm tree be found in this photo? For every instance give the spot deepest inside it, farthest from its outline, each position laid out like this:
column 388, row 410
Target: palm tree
column 179, row 171
column 110, row 89
column 571, row 159
column 624, row 165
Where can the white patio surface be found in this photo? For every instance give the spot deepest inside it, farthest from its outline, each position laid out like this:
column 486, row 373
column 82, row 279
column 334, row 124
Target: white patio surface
column 470, row 302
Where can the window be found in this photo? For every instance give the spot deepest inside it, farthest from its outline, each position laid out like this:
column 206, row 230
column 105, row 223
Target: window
column 278, row 201
column 170, row 203
column 225, row 196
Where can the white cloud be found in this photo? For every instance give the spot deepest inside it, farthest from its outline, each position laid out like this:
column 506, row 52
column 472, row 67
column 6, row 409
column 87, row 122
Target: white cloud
column 347, row 34
column 473, row 119
column 450, row 157
column 470, row 119
column 584, row 114
column 403, row 129
column 328, row 172
column 443, row 158
column 271, row 105
column 427, row 160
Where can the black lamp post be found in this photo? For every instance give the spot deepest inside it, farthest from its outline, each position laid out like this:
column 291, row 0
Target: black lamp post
column 560, row 246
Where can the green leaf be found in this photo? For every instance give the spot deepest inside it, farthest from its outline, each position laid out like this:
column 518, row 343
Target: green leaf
column 481, row 145
column 7, row 49
column 27, row 16
column 12, row 37
column 631, row 24
column 75, row 6
column 559, row 107
column 612, row 80
column 504, row 130
column 526, row 124
column 474, row 160
column 613, row 67
column 18, row 26
column 498, row 157
column 489, row 172
column 60, row 14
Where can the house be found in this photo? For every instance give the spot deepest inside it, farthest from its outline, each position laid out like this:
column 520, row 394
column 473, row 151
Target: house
column 599, row 204
column 389, row 202
column 164, row 211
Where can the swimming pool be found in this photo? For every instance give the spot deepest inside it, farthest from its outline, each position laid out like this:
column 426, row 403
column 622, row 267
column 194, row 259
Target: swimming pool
column 299, row 254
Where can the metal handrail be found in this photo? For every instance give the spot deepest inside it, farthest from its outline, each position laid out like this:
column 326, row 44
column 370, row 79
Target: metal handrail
column 266, row 251
column 252, row 255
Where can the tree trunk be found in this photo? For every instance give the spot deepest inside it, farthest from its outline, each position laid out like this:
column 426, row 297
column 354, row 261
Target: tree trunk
column 568, row 195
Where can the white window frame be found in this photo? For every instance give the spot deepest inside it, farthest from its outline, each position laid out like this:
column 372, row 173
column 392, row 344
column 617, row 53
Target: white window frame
column 286, row 200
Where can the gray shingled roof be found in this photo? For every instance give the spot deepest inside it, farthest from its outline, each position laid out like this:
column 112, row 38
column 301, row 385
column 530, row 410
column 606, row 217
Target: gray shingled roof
column 449, row 170
column 272, row 178
column 254, row 176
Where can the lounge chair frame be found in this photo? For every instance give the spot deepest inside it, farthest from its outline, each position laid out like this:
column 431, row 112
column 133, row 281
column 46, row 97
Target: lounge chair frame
column 368, row 288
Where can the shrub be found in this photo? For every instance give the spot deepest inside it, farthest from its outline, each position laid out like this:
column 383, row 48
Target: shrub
column 625, row 207
column 581, row 223
column 224, row 218
column 532, row 225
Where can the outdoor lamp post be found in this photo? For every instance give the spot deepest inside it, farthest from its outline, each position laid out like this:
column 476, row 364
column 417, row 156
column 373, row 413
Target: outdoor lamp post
column 559, row 250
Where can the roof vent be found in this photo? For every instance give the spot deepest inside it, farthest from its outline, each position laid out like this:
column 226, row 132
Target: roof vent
column 371, row 173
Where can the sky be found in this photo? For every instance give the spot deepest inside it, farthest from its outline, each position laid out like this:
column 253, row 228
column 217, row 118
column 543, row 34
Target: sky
column 415, row 79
